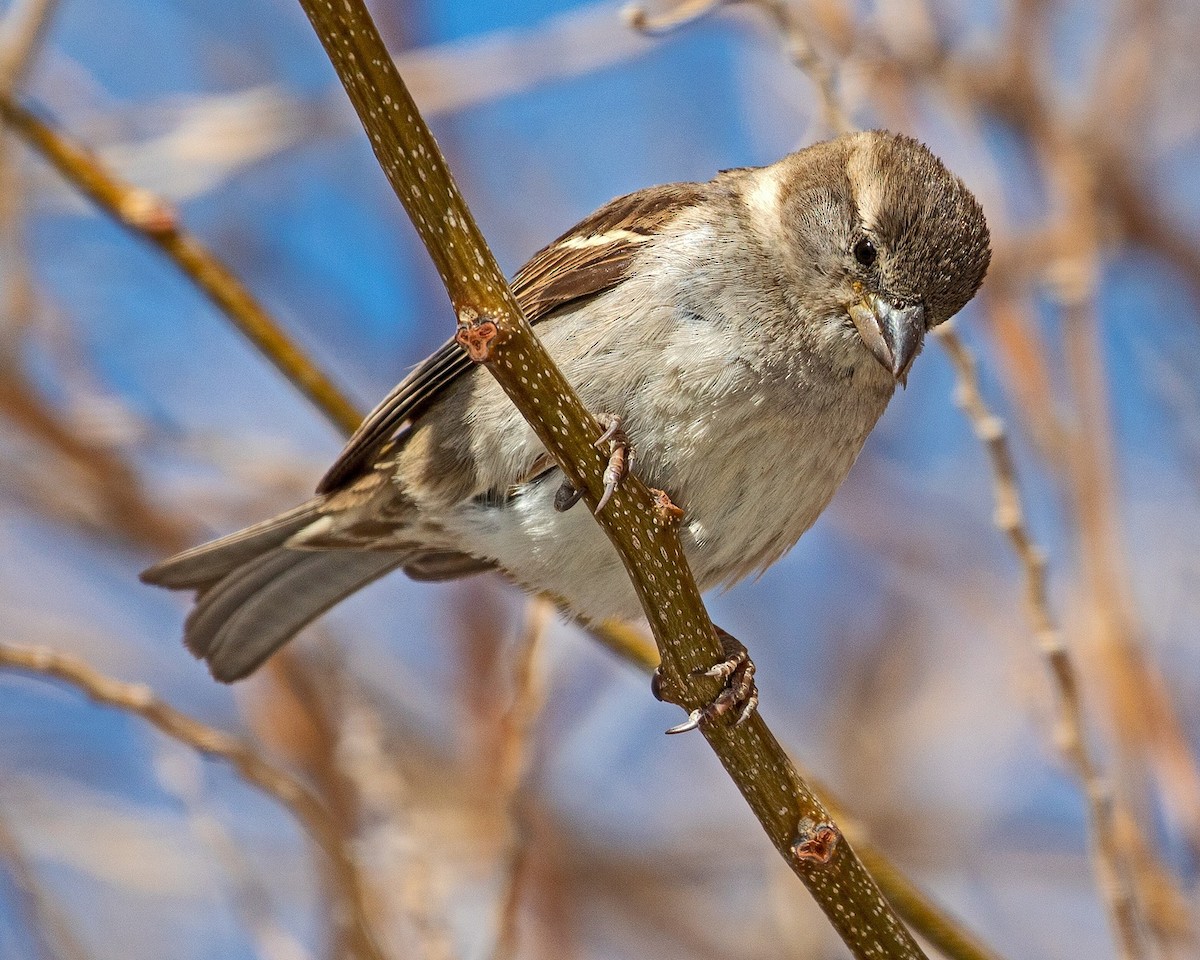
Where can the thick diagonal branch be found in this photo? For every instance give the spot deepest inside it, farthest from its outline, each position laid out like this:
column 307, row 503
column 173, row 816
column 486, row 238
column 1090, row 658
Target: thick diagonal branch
column 796, row 822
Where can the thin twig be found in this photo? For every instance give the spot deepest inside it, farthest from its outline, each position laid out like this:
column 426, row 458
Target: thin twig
column 1111, row 874
column 42, row 915
column 251, row 766
column 1096, row 180
column 1098, row 184
column 1145, row 726
column 797, row 38
column 21, row 34
column 513, row 746
column 153, row 219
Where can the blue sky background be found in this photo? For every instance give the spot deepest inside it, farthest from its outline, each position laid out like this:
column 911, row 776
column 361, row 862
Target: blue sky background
column 894, row 652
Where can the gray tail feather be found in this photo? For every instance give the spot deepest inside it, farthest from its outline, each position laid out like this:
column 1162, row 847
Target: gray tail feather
column 256, row 608
column 254, row 594
column 202, row 566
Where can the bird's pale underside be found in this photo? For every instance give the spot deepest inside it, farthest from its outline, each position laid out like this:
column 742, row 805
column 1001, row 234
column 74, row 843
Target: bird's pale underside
column 748, row 332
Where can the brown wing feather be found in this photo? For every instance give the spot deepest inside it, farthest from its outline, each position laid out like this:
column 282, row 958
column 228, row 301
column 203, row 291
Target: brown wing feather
column 591, row 257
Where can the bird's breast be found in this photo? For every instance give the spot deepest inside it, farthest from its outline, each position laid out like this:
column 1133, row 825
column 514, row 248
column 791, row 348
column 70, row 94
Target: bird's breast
column 753, row 465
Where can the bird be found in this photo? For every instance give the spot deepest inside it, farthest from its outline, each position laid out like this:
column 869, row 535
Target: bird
column 742, row 335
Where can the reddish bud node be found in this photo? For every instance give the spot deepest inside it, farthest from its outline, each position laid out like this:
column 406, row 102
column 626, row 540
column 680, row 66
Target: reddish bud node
column 475, row 335
column 815, row 842
column 145, row 211
column 665, row 511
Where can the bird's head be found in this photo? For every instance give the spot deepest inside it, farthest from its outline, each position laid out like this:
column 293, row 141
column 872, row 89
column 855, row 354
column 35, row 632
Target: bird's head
column 886, row 240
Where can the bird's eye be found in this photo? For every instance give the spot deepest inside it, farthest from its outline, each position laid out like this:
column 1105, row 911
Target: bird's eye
column 865, row 252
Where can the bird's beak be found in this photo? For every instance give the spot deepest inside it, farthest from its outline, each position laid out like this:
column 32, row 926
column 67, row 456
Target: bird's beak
column 892, row 334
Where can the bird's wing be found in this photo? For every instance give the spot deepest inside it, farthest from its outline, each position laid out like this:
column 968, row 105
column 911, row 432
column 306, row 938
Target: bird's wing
column 588, row 259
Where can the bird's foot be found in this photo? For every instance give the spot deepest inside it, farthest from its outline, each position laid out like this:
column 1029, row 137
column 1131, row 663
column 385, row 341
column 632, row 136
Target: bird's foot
column 620, row 456
column 620, row 460
column 739, row 695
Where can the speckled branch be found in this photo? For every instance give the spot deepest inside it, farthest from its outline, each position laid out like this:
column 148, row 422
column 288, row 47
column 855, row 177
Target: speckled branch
column 153, row 219
column 250, row 765
column 118, row 200
column 496, row 334
column 942, row 930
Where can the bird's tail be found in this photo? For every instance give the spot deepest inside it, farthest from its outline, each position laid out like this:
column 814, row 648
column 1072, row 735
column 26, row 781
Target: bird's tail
column 254, row 592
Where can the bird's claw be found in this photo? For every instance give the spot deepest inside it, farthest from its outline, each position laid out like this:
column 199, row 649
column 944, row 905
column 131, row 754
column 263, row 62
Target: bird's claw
column 738, row 694
column 620, row 457
column 566, row 496
column 691, row 723
column 620, row 460
column 612, row 429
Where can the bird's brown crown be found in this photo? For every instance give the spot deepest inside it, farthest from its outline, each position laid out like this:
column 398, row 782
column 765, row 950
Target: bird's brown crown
column 930, row 224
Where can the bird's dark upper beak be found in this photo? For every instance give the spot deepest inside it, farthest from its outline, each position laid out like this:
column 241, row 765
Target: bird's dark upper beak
column 892, row 334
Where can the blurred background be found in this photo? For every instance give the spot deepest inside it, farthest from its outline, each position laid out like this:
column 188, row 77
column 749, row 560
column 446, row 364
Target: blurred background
column 499, row 781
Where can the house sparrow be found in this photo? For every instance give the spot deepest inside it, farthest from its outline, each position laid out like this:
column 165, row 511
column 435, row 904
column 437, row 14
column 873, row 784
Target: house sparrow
column 747, row 332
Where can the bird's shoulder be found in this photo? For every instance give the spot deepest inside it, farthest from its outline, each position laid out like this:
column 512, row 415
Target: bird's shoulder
column 595, row 255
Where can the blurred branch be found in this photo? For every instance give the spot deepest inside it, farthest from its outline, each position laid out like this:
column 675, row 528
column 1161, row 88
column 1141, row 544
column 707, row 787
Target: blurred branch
column 112, row 496
column 16, row 287
column 154, row 220
column 1149, row 729
column 21, row 35
column 513, row 747
column 681, row 15
column 179, row 772
column 1096, row 180
column 1095, row 183
column 626, row 641
column 944, row 931
column 384, row 825
column 1111, row 872
column 140, row 700
column 43, row 918
column 315, row 714
column 787, row 25
column 1021, row 352
column 491, row 322
column 298, row 717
